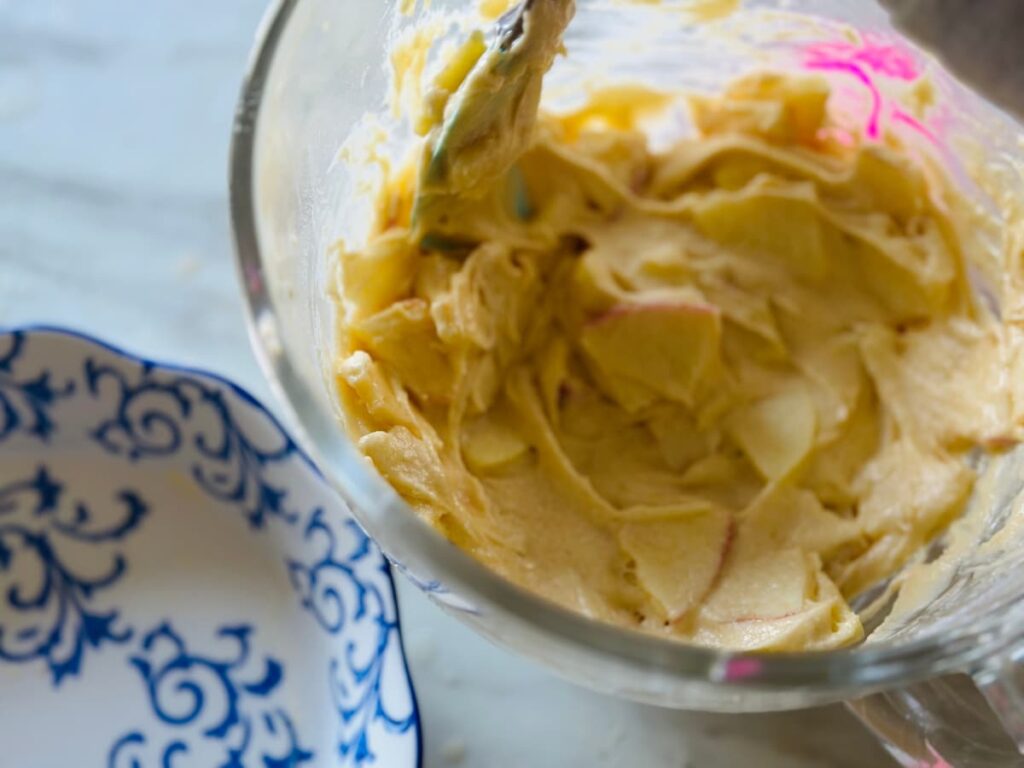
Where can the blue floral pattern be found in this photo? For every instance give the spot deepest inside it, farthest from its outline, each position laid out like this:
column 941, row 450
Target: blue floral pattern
column 336, row 589
column 50, row 612
column 25, row 401
column 159, row 416
column 70, row 534
column 210, row 700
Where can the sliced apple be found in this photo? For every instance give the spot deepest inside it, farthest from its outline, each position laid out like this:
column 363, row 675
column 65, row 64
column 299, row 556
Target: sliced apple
column 780, row 221
column 777, row 433
column 734, row 170
column 714, row 469
column 378, row 275
column 831, row 361
column 783, row 516
column 674, row 510
column 944, row 384
column 910, row 491
column 491, row 442
column 404, row 337
column 909, row 280
column 823, row 624
column 593, row 288
column 770, row 586
column 677, row 560
column 412, row 466
column 880, row 561
column 890, row 182
column 434, row 276
column 633, row 396
column 383, row 398
column 670, row 349
column 679, row 439
column 749, row 312
column 832, row 471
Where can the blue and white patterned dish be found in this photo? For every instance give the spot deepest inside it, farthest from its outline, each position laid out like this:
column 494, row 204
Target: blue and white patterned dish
column 179, row 588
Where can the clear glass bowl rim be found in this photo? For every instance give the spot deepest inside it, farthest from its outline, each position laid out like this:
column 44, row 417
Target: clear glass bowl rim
column 832, row 675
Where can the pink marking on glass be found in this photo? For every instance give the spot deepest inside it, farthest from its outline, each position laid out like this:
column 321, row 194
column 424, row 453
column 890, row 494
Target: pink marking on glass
column 887, row 59
column 873, row 128
column 899, row 116
column 872, row 57
column 741, row 669
column 940, row 761
column 890, row 60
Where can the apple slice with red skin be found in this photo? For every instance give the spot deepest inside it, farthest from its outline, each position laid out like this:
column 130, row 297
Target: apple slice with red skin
column 678, row 560
column 822, row 621
column 771, row 585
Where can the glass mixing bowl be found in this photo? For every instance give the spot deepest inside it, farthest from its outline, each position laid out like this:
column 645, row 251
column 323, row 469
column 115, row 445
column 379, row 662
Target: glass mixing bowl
column 942, row 686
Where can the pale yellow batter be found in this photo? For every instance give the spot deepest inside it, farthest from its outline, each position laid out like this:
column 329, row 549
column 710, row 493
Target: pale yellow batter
column 714, row 392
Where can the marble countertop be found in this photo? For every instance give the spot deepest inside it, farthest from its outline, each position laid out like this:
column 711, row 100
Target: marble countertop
column 114, row 126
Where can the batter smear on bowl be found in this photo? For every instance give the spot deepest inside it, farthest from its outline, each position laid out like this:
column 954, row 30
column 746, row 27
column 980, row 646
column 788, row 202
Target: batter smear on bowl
column 715, row 392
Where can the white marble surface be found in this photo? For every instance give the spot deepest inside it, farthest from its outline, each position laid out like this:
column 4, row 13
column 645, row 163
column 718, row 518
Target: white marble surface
column 114, row 123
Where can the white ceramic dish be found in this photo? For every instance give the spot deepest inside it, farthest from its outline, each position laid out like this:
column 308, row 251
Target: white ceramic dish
column 178, row 585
